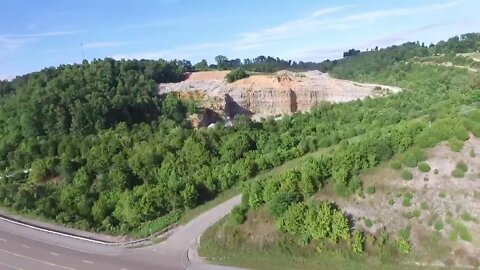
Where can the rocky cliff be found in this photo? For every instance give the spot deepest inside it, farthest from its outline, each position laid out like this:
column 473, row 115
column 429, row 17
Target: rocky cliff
column 270, row 95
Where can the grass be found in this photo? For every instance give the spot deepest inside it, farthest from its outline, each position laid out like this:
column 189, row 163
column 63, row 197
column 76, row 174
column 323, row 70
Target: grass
column 438, row 225
column 442, row 194
column 371, row 190
column 285, row 252
column 406, row 175
column 467, row 217
column 462, row 231
column 424, row 206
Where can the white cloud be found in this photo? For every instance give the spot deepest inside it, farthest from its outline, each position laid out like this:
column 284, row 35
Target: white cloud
column 105, row 44
column 14, row 41
column 319, row 20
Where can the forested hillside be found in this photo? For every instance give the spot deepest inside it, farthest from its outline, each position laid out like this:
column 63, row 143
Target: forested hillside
column 106, row 153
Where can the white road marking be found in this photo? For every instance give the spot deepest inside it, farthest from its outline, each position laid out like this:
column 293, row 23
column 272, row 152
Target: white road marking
column 3, row 240
column 85, row 261
column 25, row 246
column 54, row 254
column 9, row 266
column 36, row 260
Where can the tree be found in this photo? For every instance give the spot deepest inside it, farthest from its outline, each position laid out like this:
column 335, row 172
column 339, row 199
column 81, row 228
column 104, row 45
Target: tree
column 222, row 62
column 202, row 65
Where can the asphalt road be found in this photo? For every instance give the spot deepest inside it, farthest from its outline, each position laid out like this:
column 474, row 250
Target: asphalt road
column 30, row 249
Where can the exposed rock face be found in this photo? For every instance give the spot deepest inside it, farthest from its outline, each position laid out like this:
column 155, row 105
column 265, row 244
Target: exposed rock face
column 269, row 95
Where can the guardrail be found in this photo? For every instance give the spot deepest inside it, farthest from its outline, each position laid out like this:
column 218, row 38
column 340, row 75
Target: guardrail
column 84, row 238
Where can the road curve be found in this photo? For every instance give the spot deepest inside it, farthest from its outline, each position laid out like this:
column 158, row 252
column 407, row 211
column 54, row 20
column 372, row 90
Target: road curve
column 28, row 248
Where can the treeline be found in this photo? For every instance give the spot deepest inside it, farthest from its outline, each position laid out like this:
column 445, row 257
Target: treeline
column 107, row 154
column 257, row 64
column 363, row 66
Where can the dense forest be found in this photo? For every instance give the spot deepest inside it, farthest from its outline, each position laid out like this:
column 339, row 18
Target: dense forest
column 106, row 153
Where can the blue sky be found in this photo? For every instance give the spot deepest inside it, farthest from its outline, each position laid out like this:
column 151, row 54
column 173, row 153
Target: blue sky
column 37, row 34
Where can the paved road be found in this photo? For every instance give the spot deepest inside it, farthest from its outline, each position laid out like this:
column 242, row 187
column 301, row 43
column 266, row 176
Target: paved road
column 30, row 249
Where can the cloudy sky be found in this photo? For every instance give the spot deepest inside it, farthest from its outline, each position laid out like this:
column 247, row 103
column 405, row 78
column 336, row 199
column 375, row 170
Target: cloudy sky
column 37, row 34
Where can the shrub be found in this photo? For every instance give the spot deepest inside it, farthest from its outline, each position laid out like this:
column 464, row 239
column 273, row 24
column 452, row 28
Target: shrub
column 371, row 190
column 396, row 165
column 416, row 213
column 391, row 201
column 410, row 160
column 472, row 153
column 442, row 194
column 419, row 154
column 435, row 171
column 424, row 206
column 238, row 214
column 455, row 144
column 355, row 185
column 438, row 225
column 235, row 75
column 406, row 202
column 368, row 223
column 358, row 242
column 424, row 167
column 281, row 201
column 457, row 173
column 406, row 175
column 403, row 245
column 462, row 166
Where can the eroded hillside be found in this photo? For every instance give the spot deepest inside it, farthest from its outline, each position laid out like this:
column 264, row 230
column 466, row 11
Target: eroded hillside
column 275, row 94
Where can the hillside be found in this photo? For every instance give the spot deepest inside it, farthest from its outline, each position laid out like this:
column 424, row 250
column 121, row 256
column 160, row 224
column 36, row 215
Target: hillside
column 262, row 95
column 403, row 195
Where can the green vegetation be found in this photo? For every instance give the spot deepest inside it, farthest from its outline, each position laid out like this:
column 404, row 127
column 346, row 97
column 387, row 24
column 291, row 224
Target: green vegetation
column 438, row 225
column 406, row 202
column 410, row 160
column 371, row 190
column 462, row 166
column 406, row 175
column 445, row 108
column 358, row 242
column 435, row 171
column 462, row 231
column 396, row 165
column 368, row 222
column 442, row 194
column 424, row 167
column 458, row 173
column 235, row 75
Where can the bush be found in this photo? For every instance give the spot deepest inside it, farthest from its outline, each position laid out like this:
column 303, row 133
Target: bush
column 281, row 201
column 391, row 201
column 410, row 160
column 406, row 175
column 396, row 165
column 358, row 242
column 235, row 75
column 403, row 245
column 371, row 190
column 442, row 194
column 457, row 173
column 462, row 166
column 455, row 144
column 406, row 202
column 424, row 167
column 435, row 171
column 238, row 214
column 368, row 223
